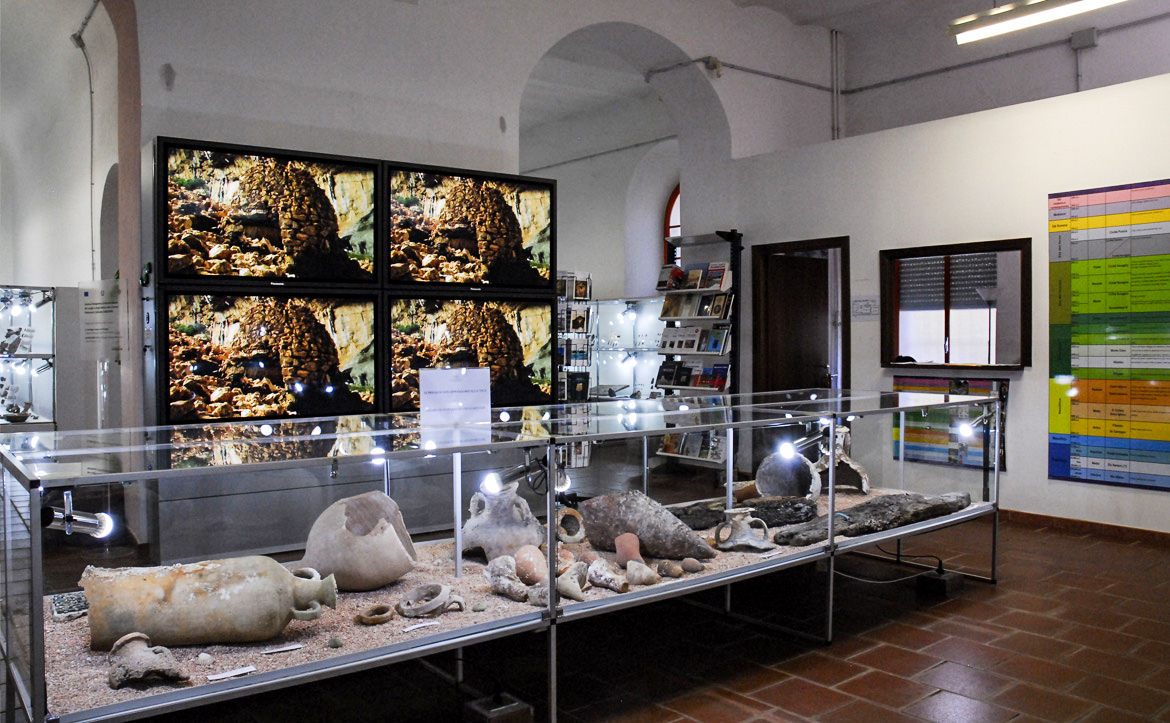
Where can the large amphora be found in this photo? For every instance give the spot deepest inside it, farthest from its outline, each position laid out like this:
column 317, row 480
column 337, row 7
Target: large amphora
column 238, row 600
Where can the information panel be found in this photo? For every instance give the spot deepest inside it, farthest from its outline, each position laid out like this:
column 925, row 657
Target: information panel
column 1109, row 335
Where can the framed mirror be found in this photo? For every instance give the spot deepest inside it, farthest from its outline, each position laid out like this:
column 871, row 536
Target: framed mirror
column 963, row 305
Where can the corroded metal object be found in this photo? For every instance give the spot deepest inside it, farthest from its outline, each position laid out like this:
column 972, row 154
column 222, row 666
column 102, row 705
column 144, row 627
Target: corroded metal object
column 238, row 600
column 660, row 533
column 880, row 513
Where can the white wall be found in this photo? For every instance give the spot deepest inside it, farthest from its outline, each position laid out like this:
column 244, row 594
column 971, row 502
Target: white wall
column 973, row 178
column 45, row 221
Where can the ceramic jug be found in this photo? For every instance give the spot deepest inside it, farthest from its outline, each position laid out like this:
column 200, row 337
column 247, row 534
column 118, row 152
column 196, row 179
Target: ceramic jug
column 238, row 600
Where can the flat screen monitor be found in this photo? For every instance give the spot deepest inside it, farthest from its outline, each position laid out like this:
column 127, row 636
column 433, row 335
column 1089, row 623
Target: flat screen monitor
column 268, row 356
column 233, row 212
column 458, row 228
column 512, row 338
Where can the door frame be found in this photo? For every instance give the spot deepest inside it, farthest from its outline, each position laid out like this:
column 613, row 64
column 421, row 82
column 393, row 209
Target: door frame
column 760, row 309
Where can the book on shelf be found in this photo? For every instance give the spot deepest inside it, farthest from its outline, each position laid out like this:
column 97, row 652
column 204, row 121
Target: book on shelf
column 689, row 339
column 670, row 443
column 671, row 306
column 688, row 305
column 579, row 318
column 718, row 276
column 692, row 444
column 703, row 306
column 682, row 376
column 720, row 373
column 666, row 373
column 670, row 276
column 694, row 276
column 716, row 341
column 720, row 306
column 578, row 386
column 582, row 288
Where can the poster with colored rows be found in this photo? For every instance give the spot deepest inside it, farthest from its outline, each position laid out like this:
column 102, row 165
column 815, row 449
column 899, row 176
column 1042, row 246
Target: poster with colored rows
column 1109, row 335
column 938, row 435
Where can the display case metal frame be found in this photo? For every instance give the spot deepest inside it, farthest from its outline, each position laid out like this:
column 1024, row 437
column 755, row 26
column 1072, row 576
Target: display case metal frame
column 140, row 452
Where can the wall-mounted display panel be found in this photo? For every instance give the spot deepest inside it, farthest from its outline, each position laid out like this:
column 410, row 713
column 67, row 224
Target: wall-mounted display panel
column 452, row 227
column 514, row 338
column 1109, row 350
column 266, row 356
column 232, row 212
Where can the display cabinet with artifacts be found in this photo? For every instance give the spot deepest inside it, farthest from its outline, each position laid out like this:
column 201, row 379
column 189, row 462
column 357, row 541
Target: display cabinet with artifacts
column 628, row 334
column 27, row 373
column 701, row 313
column 526, row 544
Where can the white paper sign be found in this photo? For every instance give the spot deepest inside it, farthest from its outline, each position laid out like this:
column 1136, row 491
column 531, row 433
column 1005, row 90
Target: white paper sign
column 456, row 406
column 866, row 308
column 101, row 338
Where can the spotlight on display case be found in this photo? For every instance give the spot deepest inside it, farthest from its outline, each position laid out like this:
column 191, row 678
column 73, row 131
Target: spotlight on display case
column 455, row 227
column 230, row 212
column 513, row 338
column 265, row 356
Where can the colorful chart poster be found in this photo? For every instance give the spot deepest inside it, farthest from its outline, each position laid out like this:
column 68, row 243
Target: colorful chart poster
column 936, row 436
column 1109, row 335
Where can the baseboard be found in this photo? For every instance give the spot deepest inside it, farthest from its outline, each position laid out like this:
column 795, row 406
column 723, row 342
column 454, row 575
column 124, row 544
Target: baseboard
column 1099, row 529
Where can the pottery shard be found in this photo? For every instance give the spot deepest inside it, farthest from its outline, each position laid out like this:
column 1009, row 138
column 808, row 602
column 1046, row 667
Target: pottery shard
column 531, row 565
column 627, row 547
column 881, row 513
column 661, row 533
column 135, row 659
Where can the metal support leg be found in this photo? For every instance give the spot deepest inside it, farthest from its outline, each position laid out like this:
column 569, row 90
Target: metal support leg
column 458, row 666
column 457, row 502
column 552, row 672
column 646, row 466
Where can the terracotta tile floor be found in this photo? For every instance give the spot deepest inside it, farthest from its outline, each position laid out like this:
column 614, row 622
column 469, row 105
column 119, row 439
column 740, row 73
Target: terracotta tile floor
column 1077, row 629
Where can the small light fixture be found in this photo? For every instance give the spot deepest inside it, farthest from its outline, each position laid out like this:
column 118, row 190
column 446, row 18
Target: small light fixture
column 42, row 368
column 46, row 297
column 966, row 429
column 630, row 312
column 98, row 525
column 630, row 359
column 1020, row 15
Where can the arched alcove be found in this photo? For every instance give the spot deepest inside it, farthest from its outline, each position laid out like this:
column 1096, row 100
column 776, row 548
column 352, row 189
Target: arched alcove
column 613, row 111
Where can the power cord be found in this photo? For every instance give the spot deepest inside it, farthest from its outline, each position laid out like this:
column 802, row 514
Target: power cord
column 880, row 582
column 936, row 558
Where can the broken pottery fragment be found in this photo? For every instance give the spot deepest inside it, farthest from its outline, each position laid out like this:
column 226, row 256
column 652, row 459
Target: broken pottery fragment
column 690, row 564
column 238, row 600
column 600, row 574
column 501, row 575
column 538, row 595
column 428, row 601
column 501, row 523
column 572, row 581
column 638, row 573
column 135, row 659
column 374, row 615
column 570, row 526
column 669, row 568
column 362, row 541
column 661, row 534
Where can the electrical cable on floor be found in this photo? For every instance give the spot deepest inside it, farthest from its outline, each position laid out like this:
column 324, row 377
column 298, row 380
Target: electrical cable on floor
column 936, row 558
column 880, row 582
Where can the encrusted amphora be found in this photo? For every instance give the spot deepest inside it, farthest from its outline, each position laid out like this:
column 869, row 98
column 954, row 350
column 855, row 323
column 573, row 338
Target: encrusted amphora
column 736, row 531
column 501, row 523
column 238, row 600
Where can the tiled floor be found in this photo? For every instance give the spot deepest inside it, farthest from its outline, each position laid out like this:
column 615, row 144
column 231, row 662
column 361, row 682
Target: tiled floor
column 1077, row 629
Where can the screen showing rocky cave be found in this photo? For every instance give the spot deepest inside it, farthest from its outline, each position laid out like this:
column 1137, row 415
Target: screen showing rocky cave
column 234, row 357
column 513, row 339
column 450, row 229
column 270, row 216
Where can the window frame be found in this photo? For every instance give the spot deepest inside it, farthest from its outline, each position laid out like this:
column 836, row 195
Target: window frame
column 888, row 273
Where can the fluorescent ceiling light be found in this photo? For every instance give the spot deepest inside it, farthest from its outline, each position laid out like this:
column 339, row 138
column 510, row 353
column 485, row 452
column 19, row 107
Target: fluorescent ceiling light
column 1020, row 15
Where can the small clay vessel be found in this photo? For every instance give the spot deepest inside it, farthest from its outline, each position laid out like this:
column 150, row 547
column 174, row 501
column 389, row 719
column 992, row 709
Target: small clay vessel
column 531, row 565
column 627, row 547
column 736, row 532
column 669, row 568
column 238, row 600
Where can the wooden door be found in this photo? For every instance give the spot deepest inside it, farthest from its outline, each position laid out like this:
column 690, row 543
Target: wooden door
column 791, row 349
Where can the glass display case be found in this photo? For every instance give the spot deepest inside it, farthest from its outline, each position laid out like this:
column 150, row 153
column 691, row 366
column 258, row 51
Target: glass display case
column 100, row 512
column 26, row 358
column 628, row 333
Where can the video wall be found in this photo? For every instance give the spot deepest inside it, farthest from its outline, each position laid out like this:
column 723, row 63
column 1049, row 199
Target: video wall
column 297, row 285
